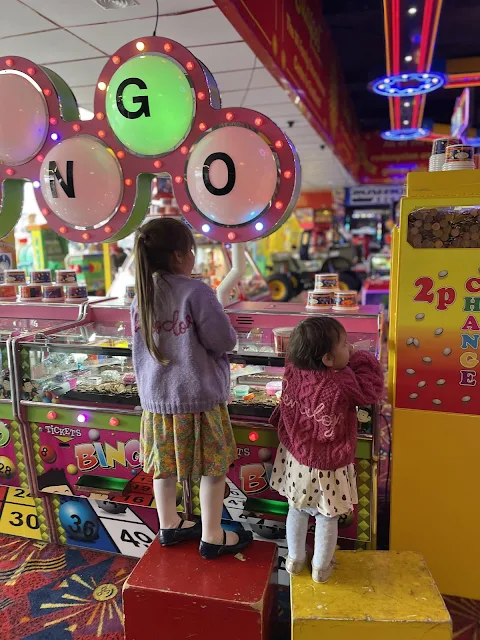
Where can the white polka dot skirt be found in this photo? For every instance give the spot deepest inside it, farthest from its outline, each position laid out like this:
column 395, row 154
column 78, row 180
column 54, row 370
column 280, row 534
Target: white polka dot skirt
column 332, row 493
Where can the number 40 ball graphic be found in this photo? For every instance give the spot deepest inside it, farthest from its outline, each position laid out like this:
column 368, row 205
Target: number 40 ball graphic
column 236, row 176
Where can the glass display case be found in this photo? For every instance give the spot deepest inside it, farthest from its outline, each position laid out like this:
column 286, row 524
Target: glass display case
column 85, row 365
column 21, row 513
column 83, row 426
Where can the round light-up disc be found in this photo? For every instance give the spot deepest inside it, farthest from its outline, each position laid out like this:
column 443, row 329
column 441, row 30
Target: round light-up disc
column 150, row 104
column 232, row 175
column 82, row 182
column 23, row 118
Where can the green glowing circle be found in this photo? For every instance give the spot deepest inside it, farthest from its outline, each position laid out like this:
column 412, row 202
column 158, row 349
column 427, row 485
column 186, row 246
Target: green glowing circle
column 150, row 104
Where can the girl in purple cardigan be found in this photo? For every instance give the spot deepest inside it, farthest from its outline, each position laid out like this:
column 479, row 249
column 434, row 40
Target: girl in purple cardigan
column 180, row 338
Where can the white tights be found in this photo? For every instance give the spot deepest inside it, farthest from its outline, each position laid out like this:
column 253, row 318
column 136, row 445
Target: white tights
column 326, row 534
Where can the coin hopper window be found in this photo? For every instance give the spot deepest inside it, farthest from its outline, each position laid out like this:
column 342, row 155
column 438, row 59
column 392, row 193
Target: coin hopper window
column 444, row 228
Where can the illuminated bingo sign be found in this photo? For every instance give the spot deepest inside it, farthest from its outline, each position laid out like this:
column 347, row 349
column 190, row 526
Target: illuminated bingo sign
column 235, row 174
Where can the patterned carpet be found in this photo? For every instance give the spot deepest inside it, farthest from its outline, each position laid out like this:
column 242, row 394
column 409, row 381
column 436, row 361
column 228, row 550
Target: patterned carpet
column 52, row 592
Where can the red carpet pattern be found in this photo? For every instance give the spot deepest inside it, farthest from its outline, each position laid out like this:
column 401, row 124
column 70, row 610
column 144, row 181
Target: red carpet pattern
column 51, row 591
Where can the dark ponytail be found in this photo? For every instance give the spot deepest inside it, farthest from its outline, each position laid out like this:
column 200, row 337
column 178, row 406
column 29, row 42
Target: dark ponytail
column 155, row 245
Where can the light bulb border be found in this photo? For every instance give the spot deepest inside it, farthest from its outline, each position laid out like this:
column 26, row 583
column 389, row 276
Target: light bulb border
column 139, row 171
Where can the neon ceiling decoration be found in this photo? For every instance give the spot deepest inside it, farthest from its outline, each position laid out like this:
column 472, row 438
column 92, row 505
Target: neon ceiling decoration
column 235, row 174
column 410, row 35
column 407, row 85
column 405, row 134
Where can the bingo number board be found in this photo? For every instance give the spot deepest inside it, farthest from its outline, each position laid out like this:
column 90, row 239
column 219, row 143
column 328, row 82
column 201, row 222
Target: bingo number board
column 104, row 525
column 21, row 515
column 235, row 175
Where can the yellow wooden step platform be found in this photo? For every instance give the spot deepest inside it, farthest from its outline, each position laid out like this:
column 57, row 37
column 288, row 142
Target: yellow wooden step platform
column 372, row 595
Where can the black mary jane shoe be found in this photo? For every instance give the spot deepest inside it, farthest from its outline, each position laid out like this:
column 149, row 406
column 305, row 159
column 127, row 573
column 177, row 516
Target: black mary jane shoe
column 211, row 551
column 169, row 537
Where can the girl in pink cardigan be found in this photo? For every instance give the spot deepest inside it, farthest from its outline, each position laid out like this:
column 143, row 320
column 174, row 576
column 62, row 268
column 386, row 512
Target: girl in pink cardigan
column 324, row 382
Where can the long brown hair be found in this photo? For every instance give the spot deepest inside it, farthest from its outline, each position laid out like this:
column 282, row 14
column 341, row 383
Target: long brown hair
column 155, row 246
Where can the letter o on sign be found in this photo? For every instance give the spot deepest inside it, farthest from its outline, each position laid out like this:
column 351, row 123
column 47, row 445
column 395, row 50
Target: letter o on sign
column 232, row 175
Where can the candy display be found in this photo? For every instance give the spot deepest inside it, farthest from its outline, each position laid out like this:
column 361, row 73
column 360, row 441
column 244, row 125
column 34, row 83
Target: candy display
column 444, row 227
column 459, row 157
column 319, row 299
column 53, row 293
column 8, row 292
column 76, row 293
column 241, row 390
column 258, row 404
column 15, row 276
column 273, row 387
column 129, row 293
column 281, row 338
column 30, row 291
column 65, row 276
column 326, row 281
column 42, row 276
column 439, row 146
column 345, row 301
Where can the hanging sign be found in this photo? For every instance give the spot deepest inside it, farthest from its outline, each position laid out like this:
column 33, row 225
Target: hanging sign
column 369, row 195
column 234, row 173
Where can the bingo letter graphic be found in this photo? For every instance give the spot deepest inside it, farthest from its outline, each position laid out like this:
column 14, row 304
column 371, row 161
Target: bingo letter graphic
column 235, row 174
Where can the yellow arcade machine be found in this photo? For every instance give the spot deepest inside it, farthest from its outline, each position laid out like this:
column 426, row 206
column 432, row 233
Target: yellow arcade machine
column 434, row 349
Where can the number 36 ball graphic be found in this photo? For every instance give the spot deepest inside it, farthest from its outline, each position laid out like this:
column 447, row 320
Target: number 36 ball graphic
column 79, row 520
column 235, row 174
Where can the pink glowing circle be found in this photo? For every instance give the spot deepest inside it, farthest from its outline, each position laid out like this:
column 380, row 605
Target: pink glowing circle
column 232, row 175
column 23, row 118
column 85, row 186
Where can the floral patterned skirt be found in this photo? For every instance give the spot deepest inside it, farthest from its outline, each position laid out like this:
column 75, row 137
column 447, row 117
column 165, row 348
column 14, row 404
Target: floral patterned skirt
column 187, row 445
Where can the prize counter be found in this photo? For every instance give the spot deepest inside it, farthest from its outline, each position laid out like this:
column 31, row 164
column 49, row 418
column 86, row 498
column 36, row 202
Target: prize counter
column 76, row 405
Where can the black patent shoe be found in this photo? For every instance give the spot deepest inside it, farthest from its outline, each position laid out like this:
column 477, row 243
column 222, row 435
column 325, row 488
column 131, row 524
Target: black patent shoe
column 211, row 551
column 169, row 537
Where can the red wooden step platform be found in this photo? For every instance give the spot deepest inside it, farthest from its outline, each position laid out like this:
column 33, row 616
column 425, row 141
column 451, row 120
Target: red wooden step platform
column 174, row 593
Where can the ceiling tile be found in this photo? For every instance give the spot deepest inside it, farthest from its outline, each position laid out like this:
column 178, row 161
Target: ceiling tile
column 300, row 124
column 283, row 110
column 78, row 74
column 53, row 46
column 68, row 13
column 226, row 57
column 262, row 78
column 204, row 27
column 17, row 18
column 271, row 95
column 233, row 81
